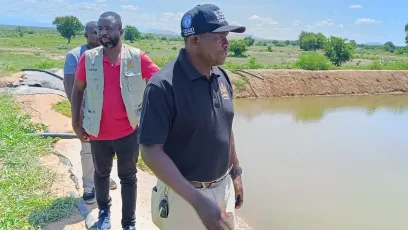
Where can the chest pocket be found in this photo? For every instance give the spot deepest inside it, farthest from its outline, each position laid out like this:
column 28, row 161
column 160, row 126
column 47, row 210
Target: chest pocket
column 134, row 79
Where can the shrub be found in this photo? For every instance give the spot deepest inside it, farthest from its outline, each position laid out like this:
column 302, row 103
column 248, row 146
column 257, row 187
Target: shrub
column 312, row 61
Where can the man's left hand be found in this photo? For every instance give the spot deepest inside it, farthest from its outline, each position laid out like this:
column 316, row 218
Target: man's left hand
column 239, row 191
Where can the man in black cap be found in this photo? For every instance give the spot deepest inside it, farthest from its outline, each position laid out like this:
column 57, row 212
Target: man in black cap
column 186, row 130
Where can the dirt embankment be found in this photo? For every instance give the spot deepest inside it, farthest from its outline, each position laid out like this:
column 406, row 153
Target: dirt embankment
column 280, row 83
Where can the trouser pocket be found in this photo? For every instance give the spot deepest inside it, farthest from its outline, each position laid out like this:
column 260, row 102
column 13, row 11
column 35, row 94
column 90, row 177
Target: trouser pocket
column 159, row 204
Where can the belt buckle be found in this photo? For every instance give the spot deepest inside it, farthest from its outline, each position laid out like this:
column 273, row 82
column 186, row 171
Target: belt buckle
column 203, row 185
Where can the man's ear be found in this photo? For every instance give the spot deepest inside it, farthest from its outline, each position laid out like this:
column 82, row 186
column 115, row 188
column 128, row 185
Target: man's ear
column 85, row 35
column 122, row 31
column 194, row 40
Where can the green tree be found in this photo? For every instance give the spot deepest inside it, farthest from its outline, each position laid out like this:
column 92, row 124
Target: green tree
column 132, row 33
column 238, row 47
column 295, row 43
column 250, row 41
column 21, row 30
column 321, row 41
column 309, row 42
column 389, row 47
column 68, row 26
column 275, row 42
column 148, row 36
column 353, row 43
column 287, row 42
column 406, row 32
column 338, row 51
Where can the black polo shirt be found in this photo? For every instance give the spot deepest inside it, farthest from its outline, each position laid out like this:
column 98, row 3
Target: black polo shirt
column 191, row 116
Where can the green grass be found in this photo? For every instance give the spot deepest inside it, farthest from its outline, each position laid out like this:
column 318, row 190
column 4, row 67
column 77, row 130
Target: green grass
column 241, row 82
column 46, row 49
column 64, row 108
column 26, row 201
column 14, row 62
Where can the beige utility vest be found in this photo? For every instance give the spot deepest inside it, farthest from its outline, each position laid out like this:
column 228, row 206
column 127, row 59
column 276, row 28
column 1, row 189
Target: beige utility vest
column 131, row 83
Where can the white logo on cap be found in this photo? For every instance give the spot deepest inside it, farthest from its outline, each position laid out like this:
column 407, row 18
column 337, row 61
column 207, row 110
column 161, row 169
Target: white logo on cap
column 219, row 15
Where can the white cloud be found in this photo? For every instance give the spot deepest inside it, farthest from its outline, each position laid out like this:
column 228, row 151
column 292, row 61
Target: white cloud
column 173, row 16
column 356, row 6
column 327, row 22
column 30, row 1
column 100, row 1
column 341, row 25
column 366, row 21
column 295, row 24
column 128, row 7
column 267, row 21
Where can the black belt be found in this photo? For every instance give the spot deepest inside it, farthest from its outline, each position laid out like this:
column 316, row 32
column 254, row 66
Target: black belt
column 212, row 184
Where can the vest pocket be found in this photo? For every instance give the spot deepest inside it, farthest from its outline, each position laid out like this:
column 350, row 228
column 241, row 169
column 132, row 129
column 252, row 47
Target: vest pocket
column 135, row 81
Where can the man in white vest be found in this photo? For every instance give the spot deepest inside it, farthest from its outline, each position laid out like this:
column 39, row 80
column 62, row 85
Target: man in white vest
column 70, row 67
column 114, row 77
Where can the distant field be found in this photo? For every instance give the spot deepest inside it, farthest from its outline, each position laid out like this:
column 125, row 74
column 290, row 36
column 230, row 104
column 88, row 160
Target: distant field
column 47, row 49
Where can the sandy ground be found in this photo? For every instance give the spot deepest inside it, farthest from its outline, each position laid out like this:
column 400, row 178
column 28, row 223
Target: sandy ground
column 280, row 83
column 40, row 107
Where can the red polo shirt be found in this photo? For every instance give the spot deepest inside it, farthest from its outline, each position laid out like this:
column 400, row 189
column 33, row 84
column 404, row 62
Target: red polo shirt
column 114, row 121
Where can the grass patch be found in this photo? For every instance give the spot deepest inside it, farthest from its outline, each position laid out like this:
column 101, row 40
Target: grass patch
column 313, row 61
column 63, row 107
column 241, row 82
column 14, row 62
column 24, row 182
column 143, row 166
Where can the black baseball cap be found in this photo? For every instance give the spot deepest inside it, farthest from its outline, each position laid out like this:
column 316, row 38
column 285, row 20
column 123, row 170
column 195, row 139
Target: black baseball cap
column 206, row 18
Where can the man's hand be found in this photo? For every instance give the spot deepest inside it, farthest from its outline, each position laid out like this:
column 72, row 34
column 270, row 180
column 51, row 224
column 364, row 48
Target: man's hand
column 239, row 191
column 211, row 215
column 81, row 133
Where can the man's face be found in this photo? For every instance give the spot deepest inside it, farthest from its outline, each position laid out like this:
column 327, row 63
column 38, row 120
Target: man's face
column 214, row 47
column 92, row 37
column 108, row 32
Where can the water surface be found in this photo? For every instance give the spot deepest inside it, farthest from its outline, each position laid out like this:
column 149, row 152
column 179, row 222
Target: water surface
column 324, row 163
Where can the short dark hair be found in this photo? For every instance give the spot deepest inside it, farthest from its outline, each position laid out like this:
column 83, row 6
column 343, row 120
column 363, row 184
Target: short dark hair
column 118, row 19
column 90, row 25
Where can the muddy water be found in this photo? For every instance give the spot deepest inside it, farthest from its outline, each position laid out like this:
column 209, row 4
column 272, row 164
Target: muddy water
column 324, row 163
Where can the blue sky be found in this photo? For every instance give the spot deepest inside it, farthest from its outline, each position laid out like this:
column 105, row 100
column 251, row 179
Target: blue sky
column 361, row 20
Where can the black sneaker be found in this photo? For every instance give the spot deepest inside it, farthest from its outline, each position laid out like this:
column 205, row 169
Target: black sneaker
column 89, row 195
column 112, row 184
column 129, row 228
column 104, row 220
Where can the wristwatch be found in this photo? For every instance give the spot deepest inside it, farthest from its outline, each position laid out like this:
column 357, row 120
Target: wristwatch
column 236, row 171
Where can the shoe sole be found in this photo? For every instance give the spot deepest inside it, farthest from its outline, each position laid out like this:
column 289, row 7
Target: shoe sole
column 113, row 187
column 89, row 201
column 107, row 228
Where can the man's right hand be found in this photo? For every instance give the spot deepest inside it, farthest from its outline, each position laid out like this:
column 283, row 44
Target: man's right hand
column 211, row 214
column 81, row 133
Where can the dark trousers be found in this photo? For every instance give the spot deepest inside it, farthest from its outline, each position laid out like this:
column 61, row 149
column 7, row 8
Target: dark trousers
column 127, row 152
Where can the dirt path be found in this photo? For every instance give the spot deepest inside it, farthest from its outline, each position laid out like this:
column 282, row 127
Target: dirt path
column 40, row 108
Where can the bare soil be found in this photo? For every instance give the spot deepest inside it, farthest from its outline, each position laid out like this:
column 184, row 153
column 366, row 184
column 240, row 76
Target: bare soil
column 281, row 83
column 39, row 106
